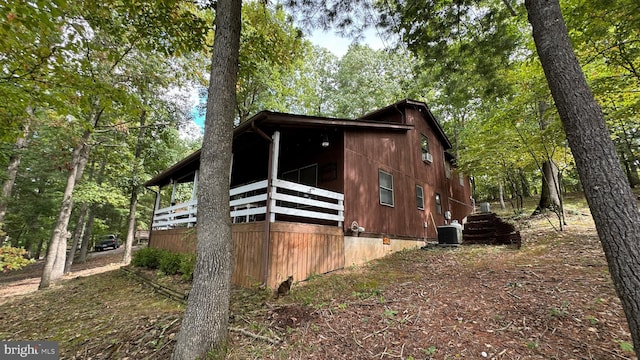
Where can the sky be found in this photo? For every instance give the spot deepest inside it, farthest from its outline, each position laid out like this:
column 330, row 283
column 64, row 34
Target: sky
column 339, row 45
column 329, row 40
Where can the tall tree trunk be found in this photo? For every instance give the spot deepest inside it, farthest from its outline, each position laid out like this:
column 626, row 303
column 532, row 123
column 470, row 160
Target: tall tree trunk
column 77, row 235
column 88, row 229
column 204, row 325
column 550, row 194
column 86, row 236
column 133, row 200
column 612, row 204
column 501, row 194
column 56, row 254
column 12, row 172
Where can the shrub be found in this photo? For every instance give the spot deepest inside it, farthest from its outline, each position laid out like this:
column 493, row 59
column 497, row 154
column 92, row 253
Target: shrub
column 12, row 258
column 148, row 258
column 187, row 264
column 170, row 262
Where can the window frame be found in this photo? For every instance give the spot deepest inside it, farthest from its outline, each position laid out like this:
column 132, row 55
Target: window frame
column 424, row 144
column 420, row 197
column 382, row 188
column 438, row 202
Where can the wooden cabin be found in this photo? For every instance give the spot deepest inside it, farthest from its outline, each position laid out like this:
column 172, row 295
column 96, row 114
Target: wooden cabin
column 311, row 194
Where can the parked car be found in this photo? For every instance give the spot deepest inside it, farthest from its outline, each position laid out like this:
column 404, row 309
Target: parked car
column 107, row 242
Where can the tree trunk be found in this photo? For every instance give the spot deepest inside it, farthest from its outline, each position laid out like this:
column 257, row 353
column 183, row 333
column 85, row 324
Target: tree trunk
column 205, row 321
column 550, row 194
column 86, row 236
column 501, row 194
column 612, row 204
column 133, row 200
column 12, row 172
column 56, row 254
column 77, row 235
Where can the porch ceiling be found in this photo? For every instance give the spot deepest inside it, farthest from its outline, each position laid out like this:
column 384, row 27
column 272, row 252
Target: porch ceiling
column 183, row 170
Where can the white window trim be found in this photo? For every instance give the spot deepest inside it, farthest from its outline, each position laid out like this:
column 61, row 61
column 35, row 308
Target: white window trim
column 380, row 188
column 420, row 206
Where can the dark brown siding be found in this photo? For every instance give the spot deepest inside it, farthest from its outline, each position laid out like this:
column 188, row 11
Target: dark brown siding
column 398, row 153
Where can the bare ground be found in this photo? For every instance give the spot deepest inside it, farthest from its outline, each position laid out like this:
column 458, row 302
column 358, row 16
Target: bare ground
column 552, row 299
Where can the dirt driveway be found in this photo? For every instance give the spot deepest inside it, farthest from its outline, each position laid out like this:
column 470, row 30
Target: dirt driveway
column 26, row 281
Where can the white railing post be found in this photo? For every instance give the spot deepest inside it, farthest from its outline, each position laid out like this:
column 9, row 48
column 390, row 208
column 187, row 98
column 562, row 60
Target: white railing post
column 340, row 212
column 194, row 199
column 275, row 156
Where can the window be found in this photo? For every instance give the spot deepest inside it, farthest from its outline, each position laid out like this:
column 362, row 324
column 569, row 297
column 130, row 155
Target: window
column 461, row 179
column 447, row 169
column 424, row 145
column 306, row 175
column 438, row 204
column 419, row 197
column 385, row 181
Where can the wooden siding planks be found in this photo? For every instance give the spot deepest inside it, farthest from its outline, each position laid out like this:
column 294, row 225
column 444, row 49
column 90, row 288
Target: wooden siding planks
column 181, row 240
column 248, row 265
column 303, row 250
column 296, row 249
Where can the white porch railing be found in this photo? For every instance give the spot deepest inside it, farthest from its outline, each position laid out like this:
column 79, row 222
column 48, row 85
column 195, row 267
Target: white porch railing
column 179, row 214
column 249, row 201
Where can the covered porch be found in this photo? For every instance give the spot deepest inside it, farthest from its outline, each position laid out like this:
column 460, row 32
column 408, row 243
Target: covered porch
column 286, row 202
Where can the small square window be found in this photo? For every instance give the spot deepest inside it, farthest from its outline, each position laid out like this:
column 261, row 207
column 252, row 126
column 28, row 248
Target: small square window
column 385, row 181
column 419, row 197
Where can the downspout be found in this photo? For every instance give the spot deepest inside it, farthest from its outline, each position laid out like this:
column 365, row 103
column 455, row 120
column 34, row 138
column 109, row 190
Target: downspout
column 267, row 226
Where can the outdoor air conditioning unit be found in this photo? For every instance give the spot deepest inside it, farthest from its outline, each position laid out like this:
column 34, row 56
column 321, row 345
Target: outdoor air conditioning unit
column 427, row 157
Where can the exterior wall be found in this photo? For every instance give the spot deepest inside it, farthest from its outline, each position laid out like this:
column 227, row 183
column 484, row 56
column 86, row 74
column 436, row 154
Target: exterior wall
column 460, row 197
column 248, row 251
column 181, row 240
column 295, row 249
column 398, row 153
column 303, row 250
column 359, row 250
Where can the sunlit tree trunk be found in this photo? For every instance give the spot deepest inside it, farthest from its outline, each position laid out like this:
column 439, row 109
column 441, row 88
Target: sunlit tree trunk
column 77, row 235
column 133, row 199
column 86, row 235
column 56, row 254
column 204, row 326
column 501, row 195
column 12, row 172
column 613, row 206
column 550, row 194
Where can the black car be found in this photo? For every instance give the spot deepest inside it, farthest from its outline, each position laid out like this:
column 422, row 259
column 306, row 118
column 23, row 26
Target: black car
column 109, row 242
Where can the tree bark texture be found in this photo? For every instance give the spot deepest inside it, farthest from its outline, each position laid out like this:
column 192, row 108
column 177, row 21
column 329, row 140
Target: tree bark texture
column 12, row 172
column 550, row 194
column 77, row 235
column 204, row 326
column 57, row 252
column 86, row 235
column 608, row 193
column 133, row 199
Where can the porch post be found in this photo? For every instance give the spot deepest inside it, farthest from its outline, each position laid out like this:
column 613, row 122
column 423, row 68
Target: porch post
column 275, row 156
column 155, row 208
column 194, row 196
column 173, row 192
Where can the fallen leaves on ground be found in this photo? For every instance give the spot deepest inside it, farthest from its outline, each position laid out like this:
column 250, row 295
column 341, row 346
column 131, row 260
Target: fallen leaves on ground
column 552, row 299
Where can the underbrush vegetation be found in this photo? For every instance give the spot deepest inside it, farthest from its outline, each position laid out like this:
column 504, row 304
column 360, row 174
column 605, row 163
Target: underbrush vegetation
column 167, row 262
column 12, row 258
